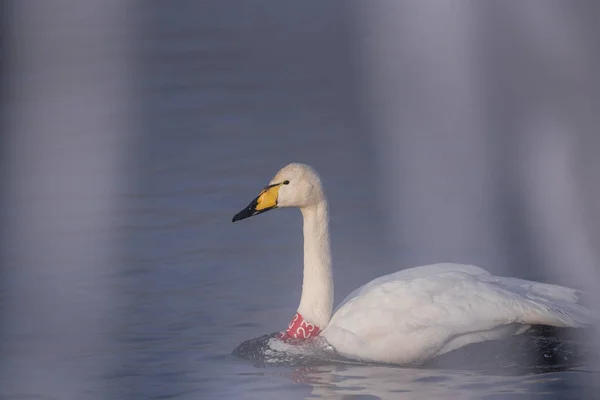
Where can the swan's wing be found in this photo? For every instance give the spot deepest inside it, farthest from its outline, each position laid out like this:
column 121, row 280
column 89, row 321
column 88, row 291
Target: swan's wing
column 409, row 274
column 423, row 311
column 534, row 290
column 557, row 304
column 464, row 299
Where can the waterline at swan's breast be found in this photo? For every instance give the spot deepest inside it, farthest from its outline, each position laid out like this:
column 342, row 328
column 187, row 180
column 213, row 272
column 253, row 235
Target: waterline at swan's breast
column 270, row 350
column 543, row 349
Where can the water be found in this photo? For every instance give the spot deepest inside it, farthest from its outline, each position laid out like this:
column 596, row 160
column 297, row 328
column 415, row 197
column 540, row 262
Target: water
column 223, row 115
column 226, row 103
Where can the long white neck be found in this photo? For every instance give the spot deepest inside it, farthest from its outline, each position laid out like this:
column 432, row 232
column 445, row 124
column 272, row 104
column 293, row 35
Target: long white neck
column 316, row 303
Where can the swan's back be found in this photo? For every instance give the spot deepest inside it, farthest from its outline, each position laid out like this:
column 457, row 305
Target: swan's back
column 418, row 313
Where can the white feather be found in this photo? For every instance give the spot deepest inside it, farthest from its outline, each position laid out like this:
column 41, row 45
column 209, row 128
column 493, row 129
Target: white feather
column 413, row 315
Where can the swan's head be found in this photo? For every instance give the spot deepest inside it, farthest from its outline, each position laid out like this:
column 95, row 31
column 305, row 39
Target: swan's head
column 295, row 185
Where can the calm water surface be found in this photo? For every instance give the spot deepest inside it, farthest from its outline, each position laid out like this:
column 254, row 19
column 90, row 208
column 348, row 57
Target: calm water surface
column 227, row 102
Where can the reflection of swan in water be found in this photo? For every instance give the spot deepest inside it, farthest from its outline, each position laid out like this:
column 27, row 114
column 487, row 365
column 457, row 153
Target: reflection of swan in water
column 410, row 316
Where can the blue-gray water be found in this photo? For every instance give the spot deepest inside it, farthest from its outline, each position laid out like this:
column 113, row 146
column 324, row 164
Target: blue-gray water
column 228, row 96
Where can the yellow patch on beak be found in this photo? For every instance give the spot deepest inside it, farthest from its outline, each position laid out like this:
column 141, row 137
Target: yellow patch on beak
column 267, row 198
column 265, row 201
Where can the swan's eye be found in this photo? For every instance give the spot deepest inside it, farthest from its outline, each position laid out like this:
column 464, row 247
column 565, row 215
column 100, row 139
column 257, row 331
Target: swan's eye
column 286, row 182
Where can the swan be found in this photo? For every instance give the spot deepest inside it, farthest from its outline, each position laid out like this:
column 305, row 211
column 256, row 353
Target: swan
column 413, row 315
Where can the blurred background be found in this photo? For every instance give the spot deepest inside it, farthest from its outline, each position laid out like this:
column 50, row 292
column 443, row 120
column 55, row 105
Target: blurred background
column 133, row 131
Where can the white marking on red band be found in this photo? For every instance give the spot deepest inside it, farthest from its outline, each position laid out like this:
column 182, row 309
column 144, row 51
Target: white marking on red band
column 299, row 328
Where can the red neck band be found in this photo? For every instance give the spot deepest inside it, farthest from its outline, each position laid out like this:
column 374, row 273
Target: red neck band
column 299, row 328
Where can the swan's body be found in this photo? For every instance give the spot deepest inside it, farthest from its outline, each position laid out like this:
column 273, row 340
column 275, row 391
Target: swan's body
column 419, row 313
column 416, row 314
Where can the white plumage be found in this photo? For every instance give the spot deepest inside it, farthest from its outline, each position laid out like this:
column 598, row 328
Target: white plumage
column 416, row 314
column 419, row 313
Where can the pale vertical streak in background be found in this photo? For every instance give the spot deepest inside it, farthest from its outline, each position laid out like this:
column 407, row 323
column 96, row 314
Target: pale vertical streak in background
column 555, row 131
column 424, row 100
column 68, row 98
column 557, row 211
column 428, row 89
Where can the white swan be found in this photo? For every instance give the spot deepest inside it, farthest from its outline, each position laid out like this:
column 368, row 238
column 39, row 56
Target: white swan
column 409, row 316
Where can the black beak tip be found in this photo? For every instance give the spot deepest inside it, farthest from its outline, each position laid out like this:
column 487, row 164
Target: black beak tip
column 249, row 211
column 245, row 213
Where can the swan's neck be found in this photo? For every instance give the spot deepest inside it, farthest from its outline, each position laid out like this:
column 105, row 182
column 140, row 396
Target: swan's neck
column 316, row 303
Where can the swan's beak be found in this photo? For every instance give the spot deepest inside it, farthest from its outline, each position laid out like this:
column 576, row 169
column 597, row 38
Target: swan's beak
column 265, row 201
